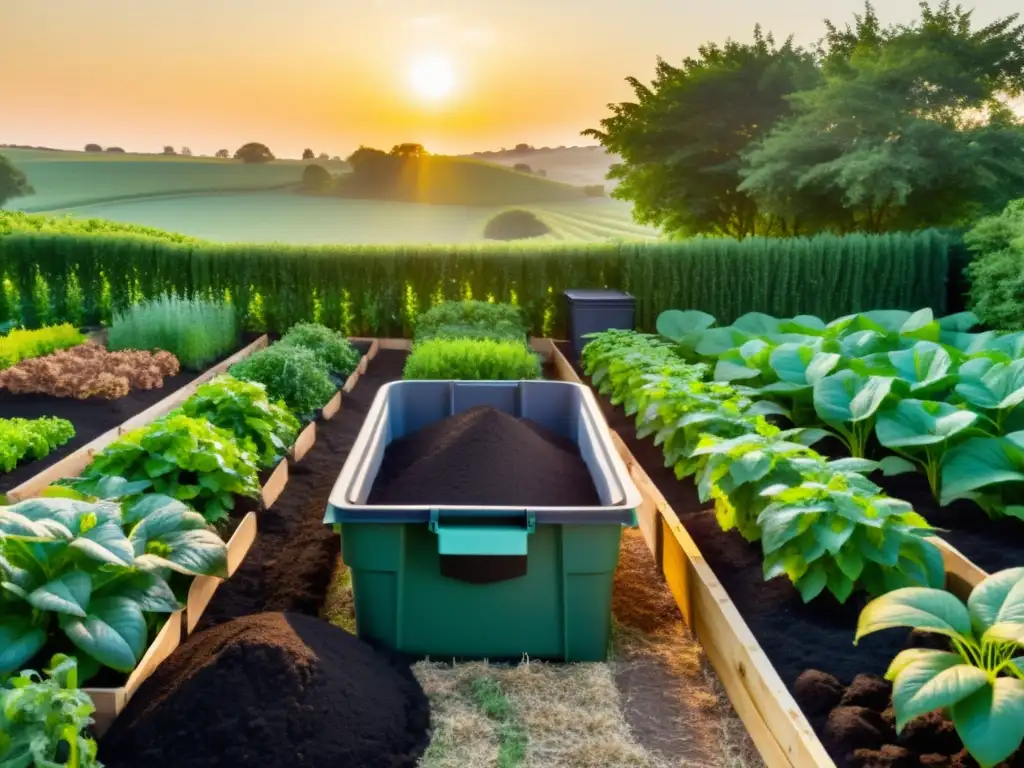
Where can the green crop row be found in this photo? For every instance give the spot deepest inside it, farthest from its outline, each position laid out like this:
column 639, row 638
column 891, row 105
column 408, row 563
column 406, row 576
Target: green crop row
column 31, row 439
column 380, row 291
column 21, row 345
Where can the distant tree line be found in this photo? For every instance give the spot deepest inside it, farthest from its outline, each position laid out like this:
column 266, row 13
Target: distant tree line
column 879, row 128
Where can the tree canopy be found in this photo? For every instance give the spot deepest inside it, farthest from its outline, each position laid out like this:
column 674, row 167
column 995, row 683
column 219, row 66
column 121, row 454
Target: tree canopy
column 13, row 182
column 254, row 152
column 408, row 150
column 307, row 154
column 880, row 128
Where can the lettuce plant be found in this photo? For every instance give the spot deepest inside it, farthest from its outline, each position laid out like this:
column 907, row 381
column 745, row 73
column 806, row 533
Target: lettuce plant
column 738, row 469
column 31, row 439
column 989, row 470
column 44, row 722
column 242, row 408
column 185, row 458
column 924, row 432
column 93, row 571
column 849, row 403
column 838, row 536
column 980, row 681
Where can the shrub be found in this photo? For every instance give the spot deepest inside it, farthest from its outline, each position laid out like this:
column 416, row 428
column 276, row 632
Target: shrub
column 290, row 373
column 243, row 408
column 21, row 345
column 197, row 332
column 31, row 439
column 187, row 459
column 481, row 359
column 515, row 224
column 316, row 178
column 330, row 347
column 471, row 319
column 997, row 272
column 89, row 370
column 43, row 720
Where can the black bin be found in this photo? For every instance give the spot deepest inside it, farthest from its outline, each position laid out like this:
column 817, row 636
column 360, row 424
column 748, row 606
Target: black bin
column 593, row 311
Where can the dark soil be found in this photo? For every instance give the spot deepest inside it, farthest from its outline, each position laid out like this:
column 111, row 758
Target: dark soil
column 273, row 690
column 289, row 566
column 487, row 457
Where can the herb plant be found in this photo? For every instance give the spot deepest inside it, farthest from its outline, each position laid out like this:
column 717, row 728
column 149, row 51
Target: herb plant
column 31, row 439
column 469, row 359
column 980, row 681
column 195, row 331
column 45, row 721
column 290, row 373
column 21, row 345
column 330, row 347
column 243, row 409
column 186, row 458
column 471, row 319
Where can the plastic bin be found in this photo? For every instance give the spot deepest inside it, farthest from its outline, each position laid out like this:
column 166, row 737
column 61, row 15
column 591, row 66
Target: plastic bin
column 484, row 582
column 593, row 311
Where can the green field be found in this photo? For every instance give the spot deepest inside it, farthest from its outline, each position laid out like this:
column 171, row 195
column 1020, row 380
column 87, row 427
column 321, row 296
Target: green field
column 294, row 218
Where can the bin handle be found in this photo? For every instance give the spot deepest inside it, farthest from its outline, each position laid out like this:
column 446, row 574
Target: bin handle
column 482, row 539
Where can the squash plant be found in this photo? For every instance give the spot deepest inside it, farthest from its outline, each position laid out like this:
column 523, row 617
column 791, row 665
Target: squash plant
column 980, row 680
column 798, row 367
column 186, row 458
column 838, row 534
column 93, row 570
column 45, row 722
column 849, row 403
column 997, row 392
column 989, row 470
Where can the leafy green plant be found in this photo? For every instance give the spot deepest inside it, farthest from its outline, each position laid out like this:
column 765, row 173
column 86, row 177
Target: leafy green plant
column 44, row 722
column 94, row 570
column 186, row 458
column 997, row 392
column 21, row 345
column 290, row 373
column 798, row 367
column 849, row 403
column 740, row 468
column 31, row 439
column 839, row 536
column 195, row 331
column 924, row 432
column 330, row 347
column 980, row 681
column 243, row 409
column 502, row 320
column 989, row 470
column 479, row 359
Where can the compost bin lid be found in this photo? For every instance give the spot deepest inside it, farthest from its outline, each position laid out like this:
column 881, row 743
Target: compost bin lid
column 604, row 296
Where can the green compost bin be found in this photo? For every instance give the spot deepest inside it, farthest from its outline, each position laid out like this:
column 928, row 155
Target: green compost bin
column 488, row 582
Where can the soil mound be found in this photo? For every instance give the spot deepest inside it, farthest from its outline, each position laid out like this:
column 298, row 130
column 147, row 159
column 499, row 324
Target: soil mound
column 270, row 690
column 483, row 456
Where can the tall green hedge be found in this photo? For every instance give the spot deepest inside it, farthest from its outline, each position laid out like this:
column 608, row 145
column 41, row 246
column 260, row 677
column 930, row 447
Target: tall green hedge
column 379, row 290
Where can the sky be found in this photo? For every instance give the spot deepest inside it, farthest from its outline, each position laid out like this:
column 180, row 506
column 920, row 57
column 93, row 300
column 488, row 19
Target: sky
column 334, row 74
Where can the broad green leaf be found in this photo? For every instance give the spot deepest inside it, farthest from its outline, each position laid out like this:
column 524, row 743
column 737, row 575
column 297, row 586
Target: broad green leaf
column 196, row 552
column 917, row 608
column 67, row 594
column 750, row 466
column 798, row 364
column 888, row 320
column 113, row 632
column 991, row 721
column 105, row 543
column 757, row 324
column 918, row 423
column 933, row 682
column 148, row 589
column 921, row 325
column 895, row 465
column 813, row 583
column 998, row 598
column 980, row 462
column 678, row 325
column 961, row 322
column 1000, row 388
column 780, row 523
column 925, row 366
column 19, row 642
column 847, row 397
column 716, row 341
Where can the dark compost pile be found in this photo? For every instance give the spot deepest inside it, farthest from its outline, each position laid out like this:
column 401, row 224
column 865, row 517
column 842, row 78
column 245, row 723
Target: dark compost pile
column 271, row 690
column 487, row 457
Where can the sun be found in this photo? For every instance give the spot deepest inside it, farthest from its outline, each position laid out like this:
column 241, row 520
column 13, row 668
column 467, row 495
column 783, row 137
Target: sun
column 432, row 77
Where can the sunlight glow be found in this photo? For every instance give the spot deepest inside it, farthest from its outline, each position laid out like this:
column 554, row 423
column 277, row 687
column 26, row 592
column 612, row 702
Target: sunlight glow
column 432, row 77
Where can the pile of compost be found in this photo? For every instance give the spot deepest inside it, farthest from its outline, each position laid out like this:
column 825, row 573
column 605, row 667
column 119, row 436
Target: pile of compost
column 271, row 690
column 487, row 457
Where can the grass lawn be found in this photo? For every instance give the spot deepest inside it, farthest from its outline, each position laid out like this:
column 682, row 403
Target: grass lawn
column 301, row 219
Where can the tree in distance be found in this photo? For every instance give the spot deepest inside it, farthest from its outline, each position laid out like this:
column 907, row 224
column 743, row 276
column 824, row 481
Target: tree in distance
column 408, row 150
column 316, row 178
column 522, row 168
column 323, row 157
column 186, row 152
column 93, row 148
column 336, row 159
column 115, row 150
column 307, row 154
column 523, row 148
column 254, row 152
column 13, row 182
column 169, row 150
column 222, row 154
column 515, row 224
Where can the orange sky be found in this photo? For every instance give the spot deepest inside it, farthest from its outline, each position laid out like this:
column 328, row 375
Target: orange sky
column 332, row 74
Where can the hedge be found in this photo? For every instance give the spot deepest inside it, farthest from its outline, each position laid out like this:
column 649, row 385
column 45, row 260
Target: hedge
column 379, row 290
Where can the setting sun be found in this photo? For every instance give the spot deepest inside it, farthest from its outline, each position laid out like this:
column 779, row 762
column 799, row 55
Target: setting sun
column 432, row 77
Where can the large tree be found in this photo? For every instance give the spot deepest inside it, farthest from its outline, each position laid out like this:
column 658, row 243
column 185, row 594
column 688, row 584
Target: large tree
column 682, row 140
column 908, row 129
column 254, row 152
column 13, row 182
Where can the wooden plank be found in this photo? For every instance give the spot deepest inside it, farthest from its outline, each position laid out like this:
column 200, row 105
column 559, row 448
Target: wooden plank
column 400, row 344
column 74, row 463
column 303, row 443
column 275, row 483
column 543, row 347
column 350, row 382
column 776, row 724
column 363, row 362
column 374, row 349
column 202, row 589
column 332, row 407
column 110, row 702
column 962, row 575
